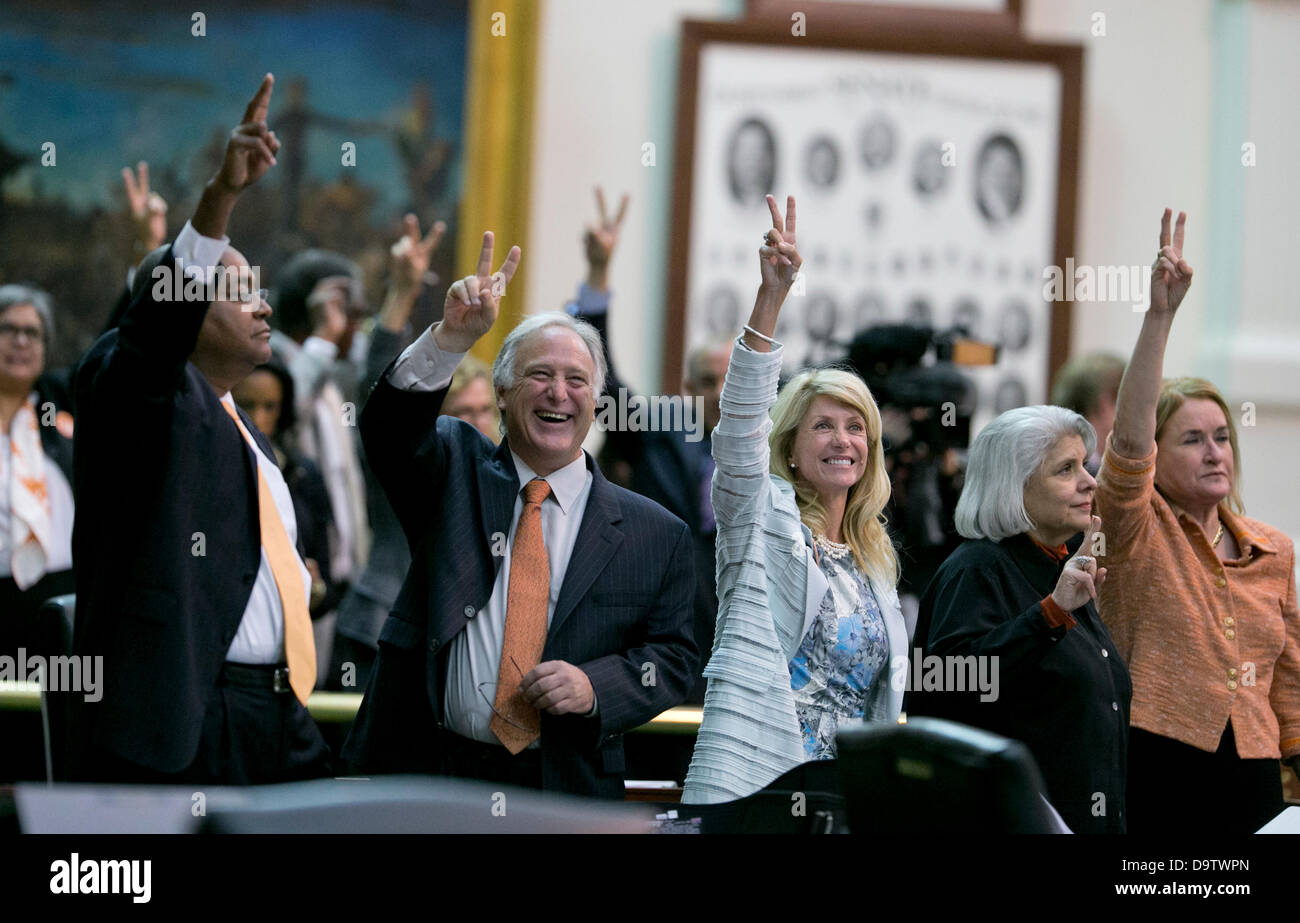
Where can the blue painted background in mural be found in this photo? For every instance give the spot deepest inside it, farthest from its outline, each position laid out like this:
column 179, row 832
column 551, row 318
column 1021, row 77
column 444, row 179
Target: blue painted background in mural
column 111, row 84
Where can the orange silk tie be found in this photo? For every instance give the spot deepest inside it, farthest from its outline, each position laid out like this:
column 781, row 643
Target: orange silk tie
column 516, row 723
column 299, row 644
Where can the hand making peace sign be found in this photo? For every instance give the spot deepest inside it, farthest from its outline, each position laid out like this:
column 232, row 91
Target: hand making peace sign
column 409, row 257
column 472, row 303
column 778, row 258
column 1170, row 274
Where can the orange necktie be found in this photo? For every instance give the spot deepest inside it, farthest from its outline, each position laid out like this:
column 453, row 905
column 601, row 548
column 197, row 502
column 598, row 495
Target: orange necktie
column 516, row 723
column 299, row 645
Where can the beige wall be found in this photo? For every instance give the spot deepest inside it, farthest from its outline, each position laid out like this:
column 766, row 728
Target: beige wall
column 1161, row 127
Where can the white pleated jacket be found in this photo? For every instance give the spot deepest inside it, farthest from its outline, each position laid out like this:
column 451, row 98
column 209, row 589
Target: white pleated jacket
column 769, row 590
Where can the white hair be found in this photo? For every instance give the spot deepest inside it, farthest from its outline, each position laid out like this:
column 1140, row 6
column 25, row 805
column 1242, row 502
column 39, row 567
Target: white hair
column 1002, row 458
column 503, row 369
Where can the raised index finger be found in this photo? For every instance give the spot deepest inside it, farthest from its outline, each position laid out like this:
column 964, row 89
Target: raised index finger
column 1164, row 229
column 257, row 106
column 600, row 207
column 1094, row 526
column 485, row 256
column 1178, row 231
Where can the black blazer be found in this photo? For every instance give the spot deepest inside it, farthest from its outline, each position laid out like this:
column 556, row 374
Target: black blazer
column 623, row 614
column 1063, row 693
column 166, row 544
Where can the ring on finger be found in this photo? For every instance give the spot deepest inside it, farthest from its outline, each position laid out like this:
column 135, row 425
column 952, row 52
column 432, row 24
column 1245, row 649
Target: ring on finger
column 1082, row 561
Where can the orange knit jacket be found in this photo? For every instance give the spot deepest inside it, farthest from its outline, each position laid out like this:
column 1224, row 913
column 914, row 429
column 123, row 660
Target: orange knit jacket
column 1205, row 640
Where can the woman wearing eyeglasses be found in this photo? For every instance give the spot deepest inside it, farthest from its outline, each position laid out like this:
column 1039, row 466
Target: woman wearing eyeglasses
column 35, row 483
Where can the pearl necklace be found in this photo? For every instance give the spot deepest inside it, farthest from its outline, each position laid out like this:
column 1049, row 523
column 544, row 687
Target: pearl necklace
column 834, row 550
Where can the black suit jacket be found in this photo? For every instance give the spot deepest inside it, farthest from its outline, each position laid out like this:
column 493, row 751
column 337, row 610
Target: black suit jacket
column 166, row 544
column 623, row 614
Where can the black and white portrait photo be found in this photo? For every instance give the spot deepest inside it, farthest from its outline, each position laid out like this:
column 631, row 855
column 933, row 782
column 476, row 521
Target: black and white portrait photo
column 876, row 142
column 1014, row 326
column 822, row 162
column 751, row 161
column 999, row 179
column 929, row 174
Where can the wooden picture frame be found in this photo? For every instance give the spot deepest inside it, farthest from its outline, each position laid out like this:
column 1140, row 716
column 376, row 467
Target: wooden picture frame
column 980, row 51
column 890, row 16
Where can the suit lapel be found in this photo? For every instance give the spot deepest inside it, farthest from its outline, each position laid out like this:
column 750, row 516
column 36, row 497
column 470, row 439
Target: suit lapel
column 498, row 488
column 598, row 539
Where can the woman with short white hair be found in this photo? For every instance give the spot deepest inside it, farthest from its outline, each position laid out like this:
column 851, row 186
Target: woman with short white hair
column 1021, row 591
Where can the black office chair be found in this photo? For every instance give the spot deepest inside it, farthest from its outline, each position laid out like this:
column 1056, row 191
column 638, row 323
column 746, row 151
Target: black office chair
column 57, row 618
column 935, row 776
column 806, row 799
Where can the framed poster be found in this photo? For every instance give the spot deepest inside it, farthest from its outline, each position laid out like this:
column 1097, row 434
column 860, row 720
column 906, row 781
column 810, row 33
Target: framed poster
column 935, row 180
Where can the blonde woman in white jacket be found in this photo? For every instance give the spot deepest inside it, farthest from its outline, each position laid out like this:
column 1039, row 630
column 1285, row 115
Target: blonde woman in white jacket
column 809, row 626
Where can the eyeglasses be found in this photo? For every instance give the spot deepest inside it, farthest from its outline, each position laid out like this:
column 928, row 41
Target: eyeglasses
column 253, row 299
column 492, row 705
column 13, row 332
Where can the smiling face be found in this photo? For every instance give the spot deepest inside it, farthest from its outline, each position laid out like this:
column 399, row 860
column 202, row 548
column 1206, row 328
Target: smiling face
column 549, row 410
column 1058, row 496
column 1194, row 463
column 22, row 355
column 236, row 336
column 831, row 448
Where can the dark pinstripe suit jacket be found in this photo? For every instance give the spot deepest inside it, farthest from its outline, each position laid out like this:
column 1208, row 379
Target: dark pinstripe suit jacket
column 623, row 615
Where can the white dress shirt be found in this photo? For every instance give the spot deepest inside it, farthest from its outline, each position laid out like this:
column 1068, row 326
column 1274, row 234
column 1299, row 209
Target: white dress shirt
column 260, row 636
column 474, row 658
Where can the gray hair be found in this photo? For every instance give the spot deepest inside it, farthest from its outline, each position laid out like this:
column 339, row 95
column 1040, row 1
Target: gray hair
column 503, row 369
column 1002, row 458
column 14, row 295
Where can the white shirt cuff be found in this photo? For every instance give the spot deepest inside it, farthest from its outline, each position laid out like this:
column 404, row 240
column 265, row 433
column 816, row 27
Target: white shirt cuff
column 320, row 348
column 194, row 249
column 422, row 366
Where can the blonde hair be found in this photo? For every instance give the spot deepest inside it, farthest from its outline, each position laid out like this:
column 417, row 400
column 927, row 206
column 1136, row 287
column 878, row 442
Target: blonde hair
column 469, row 371
column 1174, row 392
column 864, row 520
